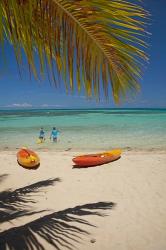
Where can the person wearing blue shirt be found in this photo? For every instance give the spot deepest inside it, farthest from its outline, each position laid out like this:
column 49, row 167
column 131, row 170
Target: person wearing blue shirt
column 54, row 134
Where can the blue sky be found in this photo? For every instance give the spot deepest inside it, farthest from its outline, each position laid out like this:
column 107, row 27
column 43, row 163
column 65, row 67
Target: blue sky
column 20, row 93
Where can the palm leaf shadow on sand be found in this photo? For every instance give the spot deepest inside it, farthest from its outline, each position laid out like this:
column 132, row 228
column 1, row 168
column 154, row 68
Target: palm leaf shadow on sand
column 16, row 203
column 60, row 229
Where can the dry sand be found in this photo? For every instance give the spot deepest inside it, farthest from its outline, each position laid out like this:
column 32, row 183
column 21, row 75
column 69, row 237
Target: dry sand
column 130, row 192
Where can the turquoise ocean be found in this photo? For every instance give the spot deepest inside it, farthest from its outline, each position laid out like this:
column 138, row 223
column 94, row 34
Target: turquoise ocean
column 85, row 130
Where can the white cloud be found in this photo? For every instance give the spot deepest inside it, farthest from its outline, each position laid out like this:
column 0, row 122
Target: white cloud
column 50, row 105
column 44, row 105
column 19, row 105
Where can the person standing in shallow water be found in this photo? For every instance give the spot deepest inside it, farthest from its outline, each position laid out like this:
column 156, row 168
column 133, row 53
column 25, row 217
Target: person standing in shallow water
column 54, row 134
column 41, row 135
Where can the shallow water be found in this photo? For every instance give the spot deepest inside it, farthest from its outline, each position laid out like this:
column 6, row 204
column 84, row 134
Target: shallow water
column 104, row 129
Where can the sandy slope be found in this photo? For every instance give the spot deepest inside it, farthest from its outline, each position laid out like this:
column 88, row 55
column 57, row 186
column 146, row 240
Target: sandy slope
column 130, row 191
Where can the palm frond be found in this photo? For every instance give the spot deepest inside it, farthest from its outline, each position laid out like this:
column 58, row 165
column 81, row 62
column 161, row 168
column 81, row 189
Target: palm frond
column 90, row 43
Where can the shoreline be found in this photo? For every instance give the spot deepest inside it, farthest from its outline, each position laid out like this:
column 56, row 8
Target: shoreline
column 69, row 149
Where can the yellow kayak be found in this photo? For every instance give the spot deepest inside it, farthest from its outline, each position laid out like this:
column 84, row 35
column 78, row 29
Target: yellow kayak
column 27, row 158
column 38, row 141
column 113, row 152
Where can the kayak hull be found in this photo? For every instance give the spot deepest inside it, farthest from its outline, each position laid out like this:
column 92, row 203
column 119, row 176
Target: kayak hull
column 28, row 159
column 96, row 159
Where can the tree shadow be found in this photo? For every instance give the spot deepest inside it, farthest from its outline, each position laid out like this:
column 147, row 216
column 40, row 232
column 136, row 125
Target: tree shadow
column 16, row 203
column 60, row 229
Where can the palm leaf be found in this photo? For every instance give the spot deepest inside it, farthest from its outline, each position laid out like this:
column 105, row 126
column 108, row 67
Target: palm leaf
column 90, row 43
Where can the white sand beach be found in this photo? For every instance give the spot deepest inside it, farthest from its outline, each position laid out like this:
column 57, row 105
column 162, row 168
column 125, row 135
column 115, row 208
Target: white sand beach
column 130, row 192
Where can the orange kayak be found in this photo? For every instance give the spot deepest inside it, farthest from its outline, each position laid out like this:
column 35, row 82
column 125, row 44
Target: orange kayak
column 27, row 158
column 96, row 159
